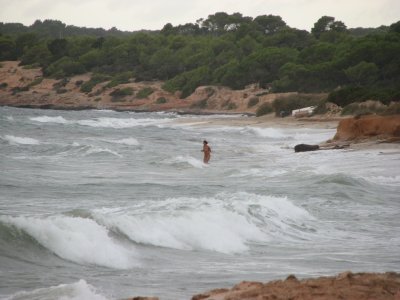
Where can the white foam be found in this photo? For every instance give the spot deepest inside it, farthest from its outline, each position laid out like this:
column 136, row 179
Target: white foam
column 226, row 223
column 127, row 141
column 253, row 172
column 21, row 140
column 188, row 160
column 10, row 118
column 272, row 133
column 103, row 122
column 121, row 123
column 105, row 110
column 385, row 180
column 76, row 239
column 80, row 290
column 47, row 119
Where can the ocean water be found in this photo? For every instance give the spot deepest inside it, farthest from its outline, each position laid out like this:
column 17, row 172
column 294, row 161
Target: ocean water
column 110, row 205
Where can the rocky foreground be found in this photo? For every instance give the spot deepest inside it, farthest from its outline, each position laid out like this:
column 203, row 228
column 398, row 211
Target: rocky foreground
column 349, row 286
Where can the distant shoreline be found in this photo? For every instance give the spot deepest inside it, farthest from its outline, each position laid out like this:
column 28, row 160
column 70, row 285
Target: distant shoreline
column 28, row 88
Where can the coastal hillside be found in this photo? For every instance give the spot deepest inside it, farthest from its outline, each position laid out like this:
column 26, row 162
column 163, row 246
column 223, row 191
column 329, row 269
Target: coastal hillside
column 22, row 87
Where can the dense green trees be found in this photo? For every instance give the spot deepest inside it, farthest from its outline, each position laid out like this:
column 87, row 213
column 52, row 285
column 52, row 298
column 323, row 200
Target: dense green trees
column 7, row 48
column 225, row 49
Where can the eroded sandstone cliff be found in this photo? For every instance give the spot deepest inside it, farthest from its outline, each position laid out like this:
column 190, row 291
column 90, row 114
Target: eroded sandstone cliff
column 369, row 127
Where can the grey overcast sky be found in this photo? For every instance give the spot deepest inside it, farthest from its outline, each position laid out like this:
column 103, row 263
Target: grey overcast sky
column 154, row 14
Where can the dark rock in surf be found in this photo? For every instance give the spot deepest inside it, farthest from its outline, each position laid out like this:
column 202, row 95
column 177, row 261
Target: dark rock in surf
column 305, row 147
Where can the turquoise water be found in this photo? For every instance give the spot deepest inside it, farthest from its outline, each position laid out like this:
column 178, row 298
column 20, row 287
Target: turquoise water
column 107, row 205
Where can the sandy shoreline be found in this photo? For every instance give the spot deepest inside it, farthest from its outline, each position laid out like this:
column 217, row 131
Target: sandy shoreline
column 268, row 121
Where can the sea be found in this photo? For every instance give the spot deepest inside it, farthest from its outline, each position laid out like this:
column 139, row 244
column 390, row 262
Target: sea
column 99, row 204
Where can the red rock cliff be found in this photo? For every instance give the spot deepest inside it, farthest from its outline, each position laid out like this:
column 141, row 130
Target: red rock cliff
column 367, row 127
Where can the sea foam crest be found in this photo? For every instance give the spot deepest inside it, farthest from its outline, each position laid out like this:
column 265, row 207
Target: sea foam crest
column 127, row 141
column 187, row 160
column 79, row 240
column 226, row 223
column 384, row 180
column 21, row 140
column 272, row 133
column 103, row 122
column 80, row 290
column 47, row 119
column 98, row 150
column 119, row 123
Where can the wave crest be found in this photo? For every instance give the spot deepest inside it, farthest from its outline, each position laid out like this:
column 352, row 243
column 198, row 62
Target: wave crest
column 80, row 240
column 226, row 223
column 103, row 122
column 15, row 140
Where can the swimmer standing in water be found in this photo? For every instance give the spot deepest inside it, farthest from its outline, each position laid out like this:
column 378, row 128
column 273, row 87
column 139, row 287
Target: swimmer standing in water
column 207, row 152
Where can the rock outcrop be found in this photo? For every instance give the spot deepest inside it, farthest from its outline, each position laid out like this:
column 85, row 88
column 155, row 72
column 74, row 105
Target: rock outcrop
column 305, row 147
column 369, row 127
column 346, row 285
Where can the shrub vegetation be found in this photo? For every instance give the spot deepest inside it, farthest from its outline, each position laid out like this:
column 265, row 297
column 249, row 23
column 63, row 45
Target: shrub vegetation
column 144, row 93
column 264, row 109
column 161, row 100
column 253, row 101
column 120, row 93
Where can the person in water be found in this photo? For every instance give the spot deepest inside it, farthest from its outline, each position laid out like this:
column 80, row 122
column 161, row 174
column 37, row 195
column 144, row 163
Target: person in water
column 207, row 152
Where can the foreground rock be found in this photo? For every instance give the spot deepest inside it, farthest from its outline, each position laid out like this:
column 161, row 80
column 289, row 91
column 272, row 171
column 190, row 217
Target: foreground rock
column 347, row 286
column 305, row 147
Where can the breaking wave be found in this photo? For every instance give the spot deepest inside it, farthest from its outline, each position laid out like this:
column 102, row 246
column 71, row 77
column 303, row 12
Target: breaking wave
column 80, row 240
column 226, row 223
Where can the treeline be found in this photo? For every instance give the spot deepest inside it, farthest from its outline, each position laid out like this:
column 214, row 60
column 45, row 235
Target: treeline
column 225, row 49
column 57, row 29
